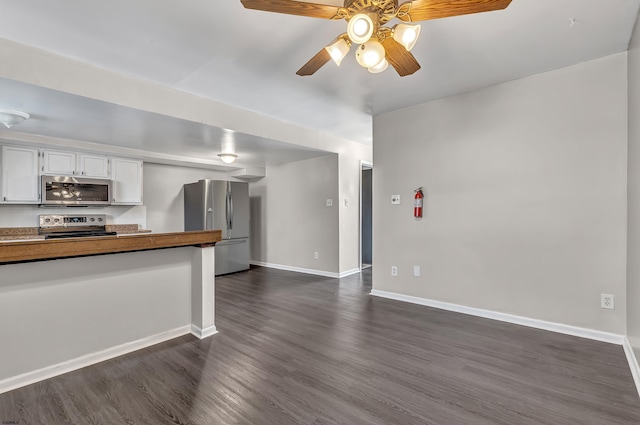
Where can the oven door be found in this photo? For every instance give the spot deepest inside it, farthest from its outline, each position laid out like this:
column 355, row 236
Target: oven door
column 75, row 191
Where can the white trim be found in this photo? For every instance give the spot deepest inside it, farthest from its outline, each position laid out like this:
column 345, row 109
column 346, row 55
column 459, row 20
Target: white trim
column 349, row 273
column 633, row 363
column 297, row 269
column 203, row 333
column 47, row 372
column 509, row 318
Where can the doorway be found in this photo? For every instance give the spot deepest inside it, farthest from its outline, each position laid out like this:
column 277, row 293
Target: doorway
column 366, row 215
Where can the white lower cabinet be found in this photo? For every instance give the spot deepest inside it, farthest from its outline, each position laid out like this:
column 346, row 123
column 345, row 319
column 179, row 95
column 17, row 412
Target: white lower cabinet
column 20, row 175
column 126, row 175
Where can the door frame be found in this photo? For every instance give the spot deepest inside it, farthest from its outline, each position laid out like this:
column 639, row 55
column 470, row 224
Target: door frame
column 364, row 165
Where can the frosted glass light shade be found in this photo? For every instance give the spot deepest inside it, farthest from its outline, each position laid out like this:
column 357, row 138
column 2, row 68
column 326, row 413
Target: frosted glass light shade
column 11, row 118
column 380, row 67
column 338, row 50
column 370, row 54
column 407, row 35
column 360, row 28
column 228, row 158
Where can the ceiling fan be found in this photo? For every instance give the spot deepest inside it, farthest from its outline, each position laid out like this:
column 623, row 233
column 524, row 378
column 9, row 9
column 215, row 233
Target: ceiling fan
column 378, row 45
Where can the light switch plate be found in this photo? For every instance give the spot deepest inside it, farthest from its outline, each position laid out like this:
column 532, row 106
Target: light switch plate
column 329, row 202
column 395, row 199
column 416, row 271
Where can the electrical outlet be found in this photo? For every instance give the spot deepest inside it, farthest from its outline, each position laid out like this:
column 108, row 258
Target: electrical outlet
column 315, row 255
column 395, row 199
column 416, row 271
column 394, row 270
column 607, row 301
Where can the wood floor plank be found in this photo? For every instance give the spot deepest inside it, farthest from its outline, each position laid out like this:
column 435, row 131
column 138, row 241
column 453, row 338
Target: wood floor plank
column 301, row 349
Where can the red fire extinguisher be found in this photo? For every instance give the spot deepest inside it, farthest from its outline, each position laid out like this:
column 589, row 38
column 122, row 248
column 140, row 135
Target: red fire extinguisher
column 417, row 203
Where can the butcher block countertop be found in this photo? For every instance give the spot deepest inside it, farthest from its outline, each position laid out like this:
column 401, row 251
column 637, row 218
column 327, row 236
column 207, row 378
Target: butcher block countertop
column 38, row 249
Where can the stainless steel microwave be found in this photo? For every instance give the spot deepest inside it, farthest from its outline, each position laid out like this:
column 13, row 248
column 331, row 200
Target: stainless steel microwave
column 75, row 191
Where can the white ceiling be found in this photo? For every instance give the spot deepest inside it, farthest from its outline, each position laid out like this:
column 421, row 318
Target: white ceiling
column 246, row 58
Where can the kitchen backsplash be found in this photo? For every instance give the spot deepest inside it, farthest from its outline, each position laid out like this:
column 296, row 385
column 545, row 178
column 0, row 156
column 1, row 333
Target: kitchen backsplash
column 27, row 215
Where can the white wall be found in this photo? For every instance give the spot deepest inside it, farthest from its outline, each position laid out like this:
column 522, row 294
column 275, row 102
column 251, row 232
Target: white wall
column 633, row 194
column 54, row 311
column 525, row 186
column 163, row 195
column 27, row 215
column 289, row 217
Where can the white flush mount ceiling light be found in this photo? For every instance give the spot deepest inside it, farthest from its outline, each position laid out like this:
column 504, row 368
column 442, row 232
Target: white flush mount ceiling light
column 228, row 155
column 360, row 28
column 228, row 158
column 407, row 35
column 10, row 118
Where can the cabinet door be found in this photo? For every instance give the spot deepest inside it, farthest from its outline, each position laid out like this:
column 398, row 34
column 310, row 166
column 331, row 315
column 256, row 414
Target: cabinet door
column 58, row 163
column 20, row 175
column 93, row 165
column 127, row 181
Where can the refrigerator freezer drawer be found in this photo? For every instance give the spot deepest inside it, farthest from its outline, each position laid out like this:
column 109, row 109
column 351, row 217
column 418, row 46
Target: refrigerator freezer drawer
column 232, row 255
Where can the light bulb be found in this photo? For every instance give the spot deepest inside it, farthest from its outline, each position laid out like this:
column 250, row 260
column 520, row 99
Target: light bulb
column 370, row 54
column 380, row 67
column 407, row 35
column 228, row 158
column 338, row 50
column 360, row 28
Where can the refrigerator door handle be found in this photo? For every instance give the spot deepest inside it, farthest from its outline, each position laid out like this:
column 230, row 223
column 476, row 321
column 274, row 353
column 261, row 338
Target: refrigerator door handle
column 226, row 208
column 231, row 207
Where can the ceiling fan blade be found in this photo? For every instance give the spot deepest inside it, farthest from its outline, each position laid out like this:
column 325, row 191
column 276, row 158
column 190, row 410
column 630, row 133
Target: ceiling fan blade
column 400, row 59
column 292, row 7
column 315, row 63
column 422, row 10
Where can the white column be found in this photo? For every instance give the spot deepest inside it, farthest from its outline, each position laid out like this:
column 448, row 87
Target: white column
column 203, row 292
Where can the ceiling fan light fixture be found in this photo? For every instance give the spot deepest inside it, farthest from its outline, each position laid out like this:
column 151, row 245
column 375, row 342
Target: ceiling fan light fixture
column 338, row 50
column 380, row 67
column 407, row 35
column 10, row 118
column 228, row 158
column 360, row 28
column 370, row 54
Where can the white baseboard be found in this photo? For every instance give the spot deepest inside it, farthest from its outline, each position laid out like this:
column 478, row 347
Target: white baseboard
column 47, row 372
column 510, row 318
column 296, row 269
column 349, row 273
column 633, row 363
column 307, row 271
column 203, row 333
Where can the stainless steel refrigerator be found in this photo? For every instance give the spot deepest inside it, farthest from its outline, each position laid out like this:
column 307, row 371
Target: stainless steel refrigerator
column 224, row 205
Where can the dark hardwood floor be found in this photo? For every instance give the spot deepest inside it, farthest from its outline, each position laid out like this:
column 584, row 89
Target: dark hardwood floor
column 301, row 349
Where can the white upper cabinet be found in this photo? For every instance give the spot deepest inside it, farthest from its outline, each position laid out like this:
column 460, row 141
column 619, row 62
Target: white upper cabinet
column 59, row 163
column 93, row 165
column 127, row 181
column 19, row 175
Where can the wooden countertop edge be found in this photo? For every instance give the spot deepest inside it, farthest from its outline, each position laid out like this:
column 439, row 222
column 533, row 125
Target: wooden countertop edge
column 12, row 252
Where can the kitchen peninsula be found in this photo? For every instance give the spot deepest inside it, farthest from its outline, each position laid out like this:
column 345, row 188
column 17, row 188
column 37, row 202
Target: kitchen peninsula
column 66, row 304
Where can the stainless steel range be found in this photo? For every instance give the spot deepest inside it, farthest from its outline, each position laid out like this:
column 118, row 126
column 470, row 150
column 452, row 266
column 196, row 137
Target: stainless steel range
column 73, row 226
